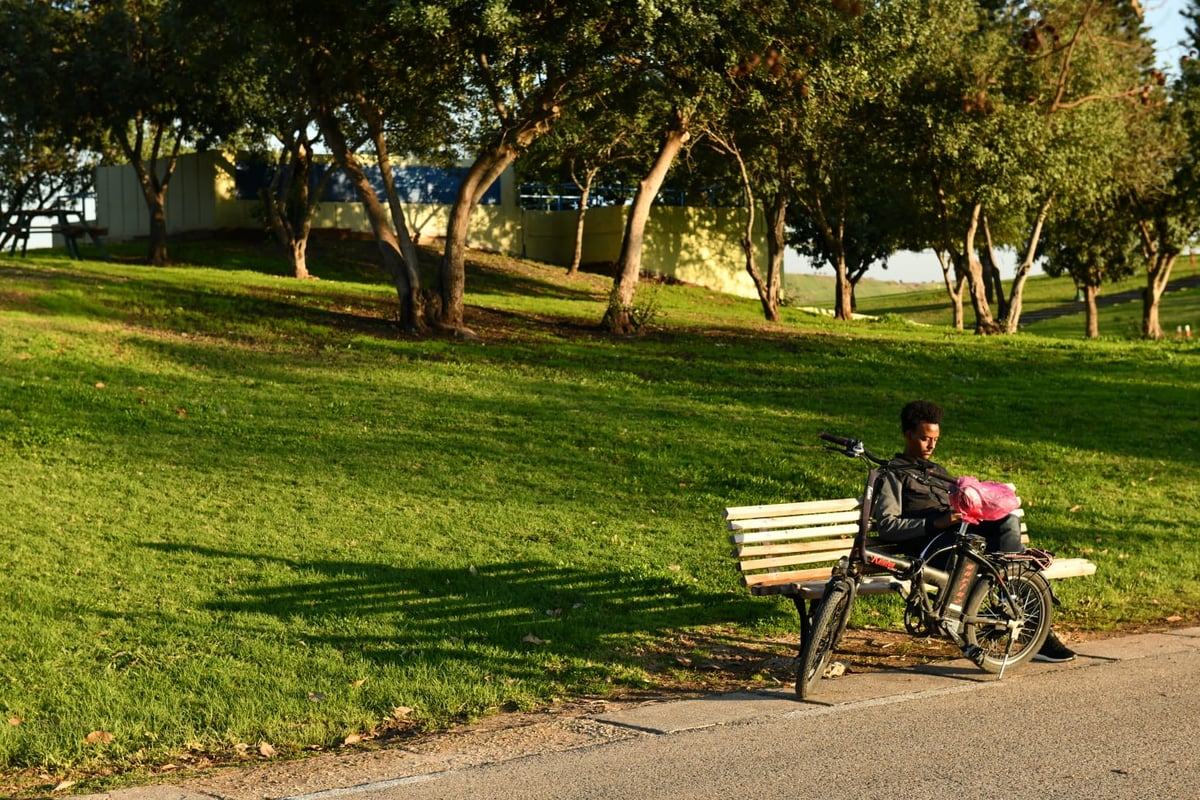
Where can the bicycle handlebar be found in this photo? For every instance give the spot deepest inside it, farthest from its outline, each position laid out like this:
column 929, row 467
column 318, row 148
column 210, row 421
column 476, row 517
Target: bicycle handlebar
column 841, row 441
column 854, row 448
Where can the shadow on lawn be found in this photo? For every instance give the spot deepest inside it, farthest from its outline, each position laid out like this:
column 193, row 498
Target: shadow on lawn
column 491, row 617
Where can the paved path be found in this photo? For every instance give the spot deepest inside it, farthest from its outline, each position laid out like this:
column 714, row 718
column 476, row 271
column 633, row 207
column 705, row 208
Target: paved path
column 1119, row 722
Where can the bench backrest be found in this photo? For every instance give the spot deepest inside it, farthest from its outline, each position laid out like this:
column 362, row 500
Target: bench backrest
column 789, row 543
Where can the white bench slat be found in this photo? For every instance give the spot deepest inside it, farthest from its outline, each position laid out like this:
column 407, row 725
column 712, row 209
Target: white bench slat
column 819, row 546
column 816, row 575
column 784, row 509
column 790, row 534
column 793, row 521
column 1069, row 568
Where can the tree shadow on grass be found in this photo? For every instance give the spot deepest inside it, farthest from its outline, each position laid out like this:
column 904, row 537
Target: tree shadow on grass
column 504, row 619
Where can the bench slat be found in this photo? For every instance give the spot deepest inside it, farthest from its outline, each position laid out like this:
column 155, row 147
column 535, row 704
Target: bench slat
column 819, row 546
column 796, row 576
column 788, row 509
column 790, row 534
column 793, row 521
column 785, row 561
column 1069, row 568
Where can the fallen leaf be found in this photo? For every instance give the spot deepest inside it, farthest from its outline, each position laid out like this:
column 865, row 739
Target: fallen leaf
column 532, row 639
column 265, row 750
column 316, row 697
column 98, row 737
column 181, row 412
column 401, row 712
column 14, row 721
column 1174, row 618
column 684, row 660
column 674, row 567
column 1075, row 508
column 99, row 385
column 353, row 738
column 63, row 786
column 358, row 682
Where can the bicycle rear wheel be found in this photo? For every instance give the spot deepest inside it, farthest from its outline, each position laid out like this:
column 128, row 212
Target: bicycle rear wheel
column 1009, row 622
column 828, row 623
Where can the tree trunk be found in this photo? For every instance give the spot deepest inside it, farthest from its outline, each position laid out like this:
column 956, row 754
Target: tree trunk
column 585, row 192
column 154, row 188
column 289, row 202
column 1163, row 255
column 1157, row 277
column 412, row 307
column 1092, row 318
column 974, row 269
column 992, row 281
column 948, row 256
column 952, row 276
column 776, row 247
column 768, row 290
column 618, row 318
column 1013, row 319
column 452, row 275
column 408, row 248
column 298, row 259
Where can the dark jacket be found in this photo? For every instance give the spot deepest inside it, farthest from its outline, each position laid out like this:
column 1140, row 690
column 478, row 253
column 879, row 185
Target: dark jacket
column 907, row 500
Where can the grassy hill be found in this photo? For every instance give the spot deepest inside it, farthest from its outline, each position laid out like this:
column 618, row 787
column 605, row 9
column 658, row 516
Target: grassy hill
column 244, row 510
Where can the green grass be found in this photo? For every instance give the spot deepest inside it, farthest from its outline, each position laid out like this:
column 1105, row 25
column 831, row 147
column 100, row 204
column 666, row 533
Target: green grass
column 246, row 509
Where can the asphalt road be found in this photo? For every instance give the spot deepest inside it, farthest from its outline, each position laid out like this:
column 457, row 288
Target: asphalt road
column 1119, row 722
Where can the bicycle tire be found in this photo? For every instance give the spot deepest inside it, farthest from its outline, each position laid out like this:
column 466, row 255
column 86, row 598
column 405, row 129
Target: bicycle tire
column 1031, row 602
column 828, row 624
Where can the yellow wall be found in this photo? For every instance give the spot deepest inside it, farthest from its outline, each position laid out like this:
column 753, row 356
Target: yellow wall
column 694, row 245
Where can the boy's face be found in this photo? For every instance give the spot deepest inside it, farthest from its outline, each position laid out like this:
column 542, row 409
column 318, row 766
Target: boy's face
column 922, row 441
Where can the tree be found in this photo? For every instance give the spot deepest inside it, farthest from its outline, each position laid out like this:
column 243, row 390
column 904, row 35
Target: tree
column 150, row 76
column 1093, row 243
column 683, row 75
column 847, row 62
column 524, row 61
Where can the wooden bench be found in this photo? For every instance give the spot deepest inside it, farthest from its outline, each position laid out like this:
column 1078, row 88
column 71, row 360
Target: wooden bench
column 789, row 549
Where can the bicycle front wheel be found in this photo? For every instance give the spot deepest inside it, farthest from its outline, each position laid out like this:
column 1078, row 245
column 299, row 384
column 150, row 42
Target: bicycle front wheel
column 828, row 623
column 1009, row 622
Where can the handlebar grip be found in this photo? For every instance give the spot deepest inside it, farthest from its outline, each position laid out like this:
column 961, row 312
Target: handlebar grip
column 841, row 441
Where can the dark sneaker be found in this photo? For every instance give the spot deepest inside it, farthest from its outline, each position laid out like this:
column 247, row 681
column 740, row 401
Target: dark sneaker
column 1054, row 651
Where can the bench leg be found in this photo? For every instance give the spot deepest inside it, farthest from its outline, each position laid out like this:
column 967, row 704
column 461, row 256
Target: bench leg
column 804, row 609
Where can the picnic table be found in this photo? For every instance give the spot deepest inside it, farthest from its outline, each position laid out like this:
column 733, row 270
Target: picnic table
column 66, row 222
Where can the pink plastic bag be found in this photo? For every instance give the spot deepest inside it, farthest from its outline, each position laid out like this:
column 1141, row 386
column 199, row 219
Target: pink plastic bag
column 978, row 500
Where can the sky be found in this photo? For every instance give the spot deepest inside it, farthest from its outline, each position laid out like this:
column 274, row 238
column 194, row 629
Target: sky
column 1168, row 28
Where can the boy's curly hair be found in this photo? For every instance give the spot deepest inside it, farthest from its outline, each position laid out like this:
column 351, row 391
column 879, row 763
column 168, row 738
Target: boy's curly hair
column 919, row 412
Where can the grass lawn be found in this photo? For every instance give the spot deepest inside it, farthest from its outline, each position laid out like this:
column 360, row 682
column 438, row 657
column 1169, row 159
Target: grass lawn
column 246, row 514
